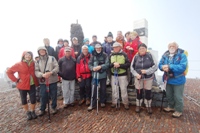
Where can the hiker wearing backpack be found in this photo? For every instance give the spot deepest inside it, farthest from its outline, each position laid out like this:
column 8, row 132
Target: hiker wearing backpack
column 99, row 63
column 94, row 41
column 143, row 67
column 83, row 74
column 26, row 82
column 46, row 69
column 67, row 70
column 174, row 64
column 119, row 61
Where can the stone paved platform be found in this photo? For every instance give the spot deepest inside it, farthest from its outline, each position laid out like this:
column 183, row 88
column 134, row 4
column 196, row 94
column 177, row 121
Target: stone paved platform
column 78, row 119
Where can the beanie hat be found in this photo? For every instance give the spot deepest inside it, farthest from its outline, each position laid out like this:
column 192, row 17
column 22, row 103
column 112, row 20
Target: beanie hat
column 85, row 40
column 110, row 34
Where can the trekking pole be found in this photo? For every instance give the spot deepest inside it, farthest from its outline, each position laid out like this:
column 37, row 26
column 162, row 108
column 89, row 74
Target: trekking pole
column 139, row 95
column 47, row 90
column 97, row 80
column 93, row 85
column 145, row 94
column 164, row 93
column 116, row 87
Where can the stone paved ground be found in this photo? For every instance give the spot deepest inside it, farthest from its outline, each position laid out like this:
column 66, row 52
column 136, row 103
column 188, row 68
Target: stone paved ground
column 77, row 119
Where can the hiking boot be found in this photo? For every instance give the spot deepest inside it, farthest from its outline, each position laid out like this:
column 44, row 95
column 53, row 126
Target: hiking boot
column 29, row 116
column 34, row 116
column 87, row 102
column 137, row 109
column 113, row 105
column 126, row 106
column 66, row 105
column 41, row 113
column 103, row 105
column 54, row 111
column 81, row 102
column 149, row 110
column 168, row 109
column 90, row 108
column 177, row 114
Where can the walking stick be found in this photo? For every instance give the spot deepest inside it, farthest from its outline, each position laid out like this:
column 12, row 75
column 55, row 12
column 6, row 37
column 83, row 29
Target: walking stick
column 139, row 95
column 116, row 87
column 47, row 90
column 164, row 93
column 97, row 80
column 93, row 85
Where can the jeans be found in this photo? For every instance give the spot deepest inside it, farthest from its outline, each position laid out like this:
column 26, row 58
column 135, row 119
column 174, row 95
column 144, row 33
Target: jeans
column 45, row 97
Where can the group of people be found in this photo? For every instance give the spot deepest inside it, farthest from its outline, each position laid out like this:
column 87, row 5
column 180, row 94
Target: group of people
column 91, row 65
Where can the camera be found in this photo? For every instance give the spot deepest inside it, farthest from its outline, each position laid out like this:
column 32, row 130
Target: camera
column 42, row 80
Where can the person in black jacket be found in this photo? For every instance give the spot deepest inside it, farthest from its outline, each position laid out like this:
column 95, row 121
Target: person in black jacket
column 50, row 50
column 67, row 70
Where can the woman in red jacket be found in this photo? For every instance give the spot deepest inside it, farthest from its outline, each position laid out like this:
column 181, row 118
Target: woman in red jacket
column 26, row 82
column 131, row 47
column 83, row 75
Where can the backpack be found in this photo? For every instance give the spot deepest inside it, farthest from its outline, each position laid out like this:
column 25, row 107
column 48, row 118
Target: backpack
column 186, row 70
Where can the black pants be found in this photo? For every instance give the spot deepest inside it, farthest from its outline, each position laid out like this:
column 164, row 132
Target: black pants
column 85, row 88
column 102, row 89
column 147, row 94
column 32, row 95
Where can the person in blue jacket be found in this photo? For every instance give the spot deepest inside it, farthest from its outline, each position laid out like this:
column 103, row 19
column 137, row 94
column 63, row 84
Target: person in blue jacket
column 174, row 63
column 87, row 43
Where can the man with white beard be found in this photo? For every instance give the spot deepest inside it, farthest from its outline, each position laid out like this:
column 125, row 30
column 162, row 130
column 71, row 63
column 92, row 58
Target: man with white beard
column 174, row 63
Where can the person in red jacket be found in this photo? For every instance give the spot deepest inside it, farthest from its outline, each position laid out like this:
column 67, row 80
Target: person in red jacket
column 62, row 50
column 26, row 82
column 83, row 75
column 131, row 47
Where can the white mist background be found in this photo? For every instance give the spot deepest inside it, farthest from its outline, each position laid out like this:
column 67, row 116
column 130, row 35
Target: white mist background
column 24, row 24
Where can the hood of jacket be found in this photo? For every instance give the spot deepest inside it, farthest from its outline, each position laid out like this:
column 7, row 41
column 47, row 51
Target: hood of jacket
column 42, row 48
column 25, row 52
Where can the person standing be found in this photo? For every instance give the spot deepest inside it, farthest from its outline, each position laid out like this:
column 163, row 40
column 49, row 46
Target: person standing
column 60, row 45
column 174, row 63
column 67, row 71
column 83, row 75
column 46, row 70
column 120, row 39
column 26, row 82
column 99, row 63
column 50, row 49
column 143, row 67
column 119, row 63
column 94, row 39
column 76, row 47
column 87, row 43
column 62, row 50
column 108, row 46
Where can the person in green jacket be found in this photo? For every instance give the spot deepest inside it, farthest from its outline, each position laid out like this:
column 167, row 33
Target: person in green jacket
column 98, row 64
column 119, row 63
